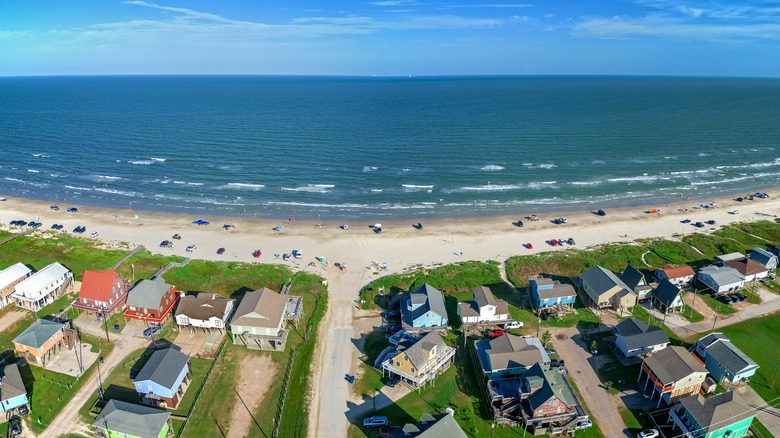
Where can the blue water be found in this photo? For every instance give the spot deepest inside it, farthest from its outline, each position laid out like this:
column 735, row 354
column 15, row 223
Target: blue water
column 399, row 147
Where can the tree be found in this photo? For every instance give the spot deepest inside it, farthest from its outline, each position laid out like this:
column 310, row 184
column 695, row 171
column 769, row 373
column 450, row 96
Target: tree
column 546, row 337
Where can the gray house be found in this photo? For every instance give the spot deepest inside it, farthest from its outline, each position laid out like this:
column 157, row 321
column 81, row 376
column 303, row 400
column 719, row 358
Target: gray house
column 633, row 337
column 121, row 419
column 667, row 297
column 765, row 258
column 510, row 355
column 721, row 279
column 604, row 289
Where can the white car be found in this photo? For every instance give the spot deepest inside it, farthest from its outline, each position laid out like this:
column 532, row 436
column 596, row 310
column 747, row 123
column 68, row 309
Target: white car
column 514, row 324
column 297, row 253
column 192, row 248
column 649, row 433
column 94, row 234
column 584, row 424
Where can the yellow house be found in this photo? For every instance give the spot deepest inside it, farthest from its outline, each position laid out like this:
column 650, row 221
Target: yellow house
column 604, row 289
column 421, row 361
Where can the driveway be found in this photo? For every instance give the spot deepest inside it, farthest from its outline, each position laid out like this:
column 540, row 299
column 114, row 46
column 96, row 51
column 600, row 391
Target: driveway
column 578, row 362
column 769, row 416
column 198, row 343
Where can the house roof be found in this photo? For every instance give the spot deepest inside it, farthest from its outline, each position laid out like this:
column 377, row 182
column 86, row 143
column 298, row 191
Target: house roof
column 722, row 275
column 41, row 279
column 710, row 338
column 760, row 255
column 552, row 384
column 717, row 411
column 97, row 285
column 483, row 296
column 262, row 308
column 674, row 363
column 541, row 281
column 443, row 426
column 163, row 367
column 13, row 273
column 729, row 356
column 203, row 306
column 601, row 280
column 429, row 299
column 730, row 256
column 417, row 351
column 510, row 351
column 37, row 334
column 637, row 334
column 673, row 271
column 148, row 294
column 12, row 384
column 666, row 292
column 746, row 266
column 130, row 419
column 468, row 309
column 631, row 277
column 558, row 290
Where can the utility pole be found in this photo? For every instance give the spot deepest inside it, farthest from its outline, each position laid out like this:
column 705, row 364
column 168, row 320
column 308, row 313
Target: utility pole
column 775, row 374
column 714, row 322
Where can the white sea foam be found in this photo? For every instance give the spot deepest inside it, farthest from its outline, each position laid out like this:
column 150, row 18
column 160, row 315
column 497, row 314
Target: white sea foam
column 598, row 162
column 377, row 190
column 116, row 192
column 33, row 171
column 704, row 154
column 141, row 162
column 179, row 182
column 412, row 186
column 492, row 168
column 586, row 183
column 310, row 188
column 546, row 166
column 370, row 168
column 108, row 177
column 41, row 155
column 84, row 189
column 158, row 159
column 317, row 205
column 643, row 179
column 243, row 186
column 492, row 188
column 14, row 179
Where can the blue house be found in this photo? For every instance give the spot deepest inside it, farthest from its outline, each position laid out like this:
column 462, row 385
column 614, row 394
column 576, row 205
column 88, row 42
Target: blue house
column 510, row 356
column 164, row 378
column 725, row 362
column 13, row 395
column 423, row 308
column 546, row 292
column 765, row 258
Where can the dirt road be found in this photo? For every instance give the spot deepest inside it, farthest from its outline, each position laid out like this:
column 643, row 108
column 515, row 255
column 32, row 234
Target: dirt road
column 68, row 419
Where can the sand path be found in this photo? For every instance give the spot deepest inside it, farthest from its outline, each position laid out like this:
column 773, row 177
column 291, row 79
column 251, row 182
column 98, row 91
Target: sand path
column 11, row 318
column 255, row 375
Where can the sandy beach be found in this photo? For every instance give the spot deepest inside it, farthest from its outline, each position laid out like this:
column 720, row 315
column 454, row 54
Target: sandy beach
column 400, row 246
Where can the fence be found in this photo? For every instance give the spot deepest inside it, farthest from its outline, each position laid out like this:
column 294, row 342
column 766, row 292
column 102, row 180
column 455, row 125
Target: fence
column 283, row 395
column 127, row 256
column 12, row 237
column 203, row 385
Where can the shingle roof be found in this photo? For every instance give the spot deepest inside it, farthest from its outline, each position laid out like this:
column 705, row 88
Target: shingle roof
column 717, row 411
column 637, row 334
column 13, row 273
column 510, row 351
column 148, row 293
column 734, row 360
column 760, row 255
column 12, row 384
column 202, row 306
column 163, row 367
column 262, row 308
column 98, row 285
column 483, row 296
column 417, row 352
column 552, row 384
column 37, row 334
column 710, row 338
column 730, row 256
column 674, row 363
column 746, row 266
column 722, row 274
column 130, row 419
column 429, row 298
column 469, row 309
column 444, row 426
column 602, row 280
column 666, row 292
column 541, row 281
column 673, row 272
column 631, row 277
column 558, row 290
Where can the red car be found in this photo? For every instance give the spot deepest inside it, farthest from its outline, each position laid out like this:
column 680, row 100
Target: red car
column 554, row 242
column 529, row 246
column 257, row 253
column 496, row 333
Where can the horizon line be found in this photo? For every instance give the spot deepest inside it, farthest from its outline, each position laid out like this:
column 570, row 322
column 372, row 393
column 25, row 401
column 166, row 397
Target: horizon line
column 398, row 76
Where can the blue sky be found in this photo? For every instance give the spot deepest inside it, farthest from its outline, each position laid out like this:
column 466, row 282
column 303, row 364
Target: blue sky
column 390, row 37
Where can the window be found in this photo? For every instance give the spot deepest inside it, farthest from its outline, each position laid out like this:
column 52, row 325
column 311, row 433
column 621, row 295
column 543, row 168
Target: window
column 406, row 358
column 397, row 363
column 412, row 370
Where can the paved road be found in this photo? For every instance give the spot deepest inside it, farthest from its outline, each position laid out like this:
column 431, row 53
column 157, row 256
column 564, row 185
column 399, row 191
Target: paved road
column 768, row 415
column 68, row 419
column 600, row 403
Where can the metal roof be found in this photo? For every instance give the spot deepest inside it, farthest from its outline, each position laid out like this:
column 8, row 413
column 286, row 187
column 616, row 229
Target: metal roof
column 13, row 273
column 163, row 367
column 148, row 294
column 38, row 281
column 134, row 420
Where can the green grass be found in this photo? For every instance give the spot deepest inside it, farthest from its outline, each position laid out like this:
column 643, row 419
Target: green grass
column 747, row 241
column 117, row 384
column 713, row 246
column 75, row 254
column 767, row 230
column 759, row 430
column 677, row 253
column 691, row 314
column 228, row 279
column 758, row 338
column 144, row 264
column 198, row 369
column 717, row 306
column 212, row 413
column 772, row 286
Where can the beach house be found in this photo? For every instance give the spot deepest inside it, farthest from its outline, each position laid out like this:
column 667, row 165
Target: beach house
column 40, row 342
column 164, row 378
column 510, row 355
column 151, row 301
column 120, row 419
column 484, row 308
column 749, row 268
column 13, row 394
column 603, row 289
column 9, row 278
column 720, row 416
column 635, row 280
column 423, row 309
column 761, row 256
column 102, row 292
column 259, row 321
column 672, row 373
column 726, row 363
column 546, row 292
column 720, row 279
column 43, row 287
column 667, row 297
column 207, row 311
column 430, row 426
column 633, row 337
column 680, row 276
column 419, row 362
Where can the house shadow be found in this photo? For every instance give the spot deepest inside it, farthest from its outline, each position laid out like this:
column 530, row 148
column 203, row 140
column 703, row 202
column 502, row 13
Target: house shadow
column 150, row 349
column 239, row 293
column 376, row 405
column 371, row 344
column 388, row 300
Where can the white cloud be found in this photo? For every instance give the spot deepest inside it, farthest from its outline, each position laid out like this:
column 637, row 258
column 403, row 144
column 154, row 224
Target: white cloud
column 393, row 3
column 671, row 28
column 693, row 12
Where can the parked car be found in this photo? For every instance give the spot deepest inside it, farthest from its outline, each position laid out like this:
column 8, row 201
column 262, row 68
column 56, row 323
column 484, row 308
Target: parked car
column 94, row 234
column 556, row 363
column 698, row 225
column 529, row 246
column 375, row 422
column 570, row 241
column 286, row 257
column 53, row 227
column 297, row 253
column 73, row 210
column 742, row 297
column 519, row 223
column 514, row 324
column 710, row 222
column 601, row 213
column 649, row 433
column 192, row 248
column 176, row 237
column 736, row 298
column 554, row 242
column 151, row 331
column 15, row 426
column 392, row 380
column 166, row 244
column 221, row 251
column 393, row 329
column 257, row 253
column 496, row 333
column 725, row 299
column 583, row 424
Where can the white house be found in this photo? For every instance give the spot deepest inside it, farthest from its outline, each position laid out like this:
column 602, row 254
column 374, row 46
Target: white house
column 208, row 311
column 9, row 278
column 749, row 268
column 484, row 308
column 633, row 337
column 760, row 255
column 721, row 278
column 679, row 276
column 43, row 287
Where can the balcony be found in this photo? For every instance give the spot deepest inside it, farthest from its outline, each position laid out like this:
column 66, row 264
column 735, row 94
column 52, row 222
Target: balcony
column 425, row 374
column 688, row 430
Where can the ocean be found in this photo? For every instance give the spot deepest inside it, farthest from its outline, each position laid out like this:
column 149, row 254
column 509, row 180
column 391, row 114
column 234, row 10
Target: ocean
column 367, row 147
